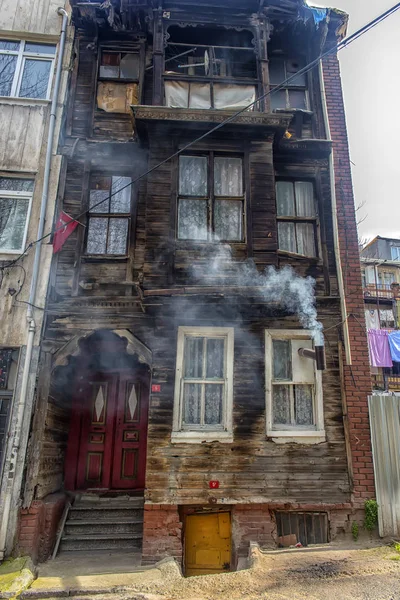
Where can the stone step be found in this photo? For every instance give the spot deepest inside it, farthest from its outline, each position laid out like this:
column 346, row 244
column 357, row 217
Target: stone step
column 130, row 541
column 103, row 526
column 103, row 513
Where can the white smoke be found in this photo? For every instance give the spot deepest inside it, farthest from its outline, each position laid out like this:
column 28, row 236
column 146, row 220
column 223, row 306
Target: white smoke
column 292, row 292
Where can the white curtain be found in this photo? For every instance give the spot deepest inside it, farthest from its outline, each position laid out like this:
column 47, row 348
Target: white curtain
column 192, row 219
column 185, row 94
column 228, row 177
column 13, row 214
column 230, row 96
column 177, row 94
column 228, row 218
column 305, row 239
column 305, row 203
column 193, row 176
column 285, row 199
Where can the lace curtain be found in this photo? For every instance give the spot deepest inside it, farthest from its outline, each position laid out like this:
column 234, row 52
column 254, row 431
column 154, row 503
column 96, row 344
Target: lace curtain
column 13, row 215
column 295, row 199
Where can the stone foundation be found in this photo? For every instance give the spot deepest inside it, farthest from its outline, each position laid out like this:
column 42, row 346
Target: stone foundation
column 162, row 533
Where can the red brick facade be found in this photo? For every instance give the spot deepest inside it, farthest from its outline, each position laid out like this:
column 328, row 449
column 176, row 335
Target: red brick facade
column 162, row 533
column 38, row 527
column 357, row 380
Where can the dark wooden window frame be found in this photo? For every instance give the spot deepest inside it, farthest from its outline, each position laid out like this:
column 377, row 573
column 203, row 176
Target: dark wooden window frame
column 211, row 155
column 5, row 395
column 290, row 87
column 290, row 219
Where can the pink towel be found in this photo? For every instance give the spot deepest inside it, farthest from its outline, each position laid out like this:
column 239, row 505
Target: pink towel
column 379, row 349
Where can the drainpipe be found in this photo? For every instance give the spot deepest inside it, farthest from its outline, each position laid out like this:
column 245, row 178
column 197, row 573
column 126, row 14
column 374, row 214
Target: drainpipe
column 345, row 315
column 32, row 295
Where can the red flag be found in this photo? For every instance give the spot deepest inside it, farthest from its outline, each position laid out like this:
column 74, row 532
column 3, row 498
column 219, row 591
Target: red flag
column 64, row 227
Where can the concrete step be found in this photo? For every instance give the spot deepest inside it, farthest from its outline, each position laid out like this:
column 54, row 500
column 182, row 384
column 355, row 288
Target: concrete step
column 103, row 526
column 104, row 513
column 123, row 541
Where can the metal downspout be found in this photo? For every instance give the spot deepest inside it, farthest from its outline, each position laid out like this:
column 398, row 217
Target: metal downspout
column 34, row 282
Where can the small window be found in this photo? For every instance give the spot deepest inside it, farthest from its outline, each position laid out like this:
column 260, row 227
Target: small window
column 119, row 65
column 211, row 198
column 109, row 216
column 295, row 94
column 26, row 69
column 387, row 318
column 203, row 384
column 297, row 217
column 15, row 206
column 294, row 392
column 118, row 85
column 395, row 252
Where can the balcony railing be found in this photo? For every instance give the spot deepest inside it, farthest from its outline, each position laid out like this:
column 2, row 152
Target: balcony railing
column 381, row 290
column 389, row 383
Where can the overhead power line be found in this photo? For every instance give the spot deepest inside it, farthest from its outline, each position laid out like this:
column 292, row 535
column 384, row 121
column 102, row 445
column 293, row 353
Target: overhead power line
column 340, row 46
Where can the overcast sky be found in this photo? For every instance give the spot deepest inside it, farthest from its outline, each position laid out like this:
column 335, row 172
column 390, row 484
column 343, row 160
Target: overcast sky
column 371, row 84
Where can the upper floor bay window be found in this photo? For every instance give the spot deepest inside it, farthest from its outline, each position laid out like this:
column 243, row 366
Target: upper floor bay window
column 211, row 198
column 26, row 69
column 118, row 80
column 293, row 386
column 297, row 217
column 209, row 68
column 109, row 216
column 203, row 384
column 294, row 94
column 15, row 206
column 395, row 252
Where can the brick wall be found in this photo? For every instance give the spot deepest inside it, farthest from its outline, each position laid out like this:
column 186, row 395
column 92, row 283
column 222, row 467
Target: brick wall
column 38, row 527
column 162, row 533
column 357, row 382
column 252, row 523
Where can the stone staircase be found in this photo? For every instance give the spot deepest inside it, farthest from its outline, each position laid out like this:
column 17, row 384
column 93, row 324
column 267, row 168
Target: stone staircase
column 105, row 524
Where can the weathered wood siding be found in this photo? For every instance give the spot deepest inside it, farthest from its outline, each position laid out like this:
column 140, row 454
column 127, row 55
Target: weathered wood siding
column 30, row 16
column 21, row 136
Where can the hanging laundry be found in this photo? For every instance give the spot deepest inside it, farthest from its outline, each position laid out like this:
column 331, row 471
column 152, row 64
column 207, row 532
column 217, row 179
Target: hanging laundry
column 372, row 319
column 379, row 350
column 394, row 343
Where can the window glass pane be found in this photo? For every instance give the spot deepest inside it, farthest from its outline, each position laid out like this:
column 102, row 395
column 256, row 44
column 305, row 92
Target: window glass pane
column 305, row 204
column 305, row 239
column 7, row 70
column 117, row 236
column 281, row 404
column 282, row 360
column 40, row 48
column 286, row 234
column 129, row 68
column 297, row 99
column 110, row 65
column 193, row 176
column 228, row 220
column 192, row 220
column 303, row 404
column 193, row 357
column 215, row 358
column 292, row 67
column 276, row 71
column 13, row 214
column 191, row 403
column 231, row 96
column 9, row 45
column 35, row 78
column 278, row 99
column 213, row 404
column 228, row 177
column 395, row 252
column 199, row 95
column 121, row 202
column 98, row 201
column 285, row 199
column 16, row 185
column 97, row 236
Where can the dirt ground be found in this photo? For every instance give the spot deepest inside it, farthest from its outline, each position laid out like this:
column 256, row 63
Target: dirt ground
column 334, row 574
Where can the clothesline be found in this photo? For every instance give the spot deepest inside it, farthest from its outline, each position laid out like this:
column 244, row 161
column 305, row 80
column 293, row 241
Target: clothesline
column 384, row 347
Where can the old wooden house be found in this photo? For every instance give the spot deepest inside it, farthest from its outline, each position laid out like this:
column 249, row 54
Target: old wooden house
column 180, row 409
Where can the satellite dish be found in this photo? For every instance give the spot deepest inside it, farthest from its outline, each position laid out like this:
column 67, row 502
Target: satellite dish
column 205, row 64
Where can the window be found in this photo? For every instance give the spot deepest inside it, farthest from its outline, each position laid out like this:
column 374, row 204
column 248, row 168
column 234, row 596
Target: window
column 26, row 69
column 118, row 85
column 293, row 386
column 211, row 198
column 387, row 318
column 15, row 206
column 295, row 94
column 109, row 216
column 8, row 374
column 395, row 252
column 297, row 217
column 203, row 384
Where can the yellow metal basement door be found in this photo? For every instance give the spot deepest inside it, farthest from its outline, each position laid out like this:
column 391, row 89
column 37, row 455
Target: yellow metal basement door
column 207, row 543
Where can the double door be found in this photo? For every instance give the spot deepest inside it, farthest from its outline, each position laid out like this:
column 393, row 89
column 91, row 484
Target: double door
column 107, row 441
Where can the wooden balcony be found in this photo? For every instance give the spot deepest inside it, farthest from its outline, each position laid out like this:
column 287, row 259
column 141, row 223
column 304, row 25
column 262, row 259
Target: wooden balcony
column 380, row 290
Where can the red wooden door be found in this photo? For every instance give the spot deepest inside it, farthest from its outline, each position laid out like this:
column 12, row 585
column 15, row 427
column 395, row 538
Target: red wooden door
column 97, row 433
column 129, row 465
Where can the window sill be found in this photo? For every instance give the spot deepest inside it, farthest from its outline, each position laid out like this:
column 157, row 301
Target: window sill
column 24, row 101
column 315, row 259
column 297, row 436
column 102, row 257
column 199, row 437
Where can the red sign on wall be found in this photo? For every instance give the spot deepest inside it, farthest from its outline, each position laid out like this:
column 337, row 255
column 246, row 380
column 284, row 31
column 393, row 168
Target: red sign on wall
column 214, row 485
column 156, row 388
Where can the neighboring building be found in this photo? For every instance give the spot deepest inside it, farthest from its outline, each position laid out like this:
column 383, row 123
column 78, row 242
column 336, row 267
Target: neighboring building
column 29, row 55
column 380, row 268
column 170, row 377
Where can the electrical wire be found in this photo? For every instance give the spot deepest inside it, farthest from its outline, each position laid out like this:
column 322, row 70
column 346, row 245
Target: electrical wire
column 340, row 46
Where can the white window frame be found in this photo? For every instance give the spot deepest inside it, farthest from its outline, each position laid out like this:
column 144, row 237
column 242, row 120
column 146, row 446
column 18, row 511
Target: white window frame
column 19, row 67
column 23, row 196
column 292, row 433
column 205, row 433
